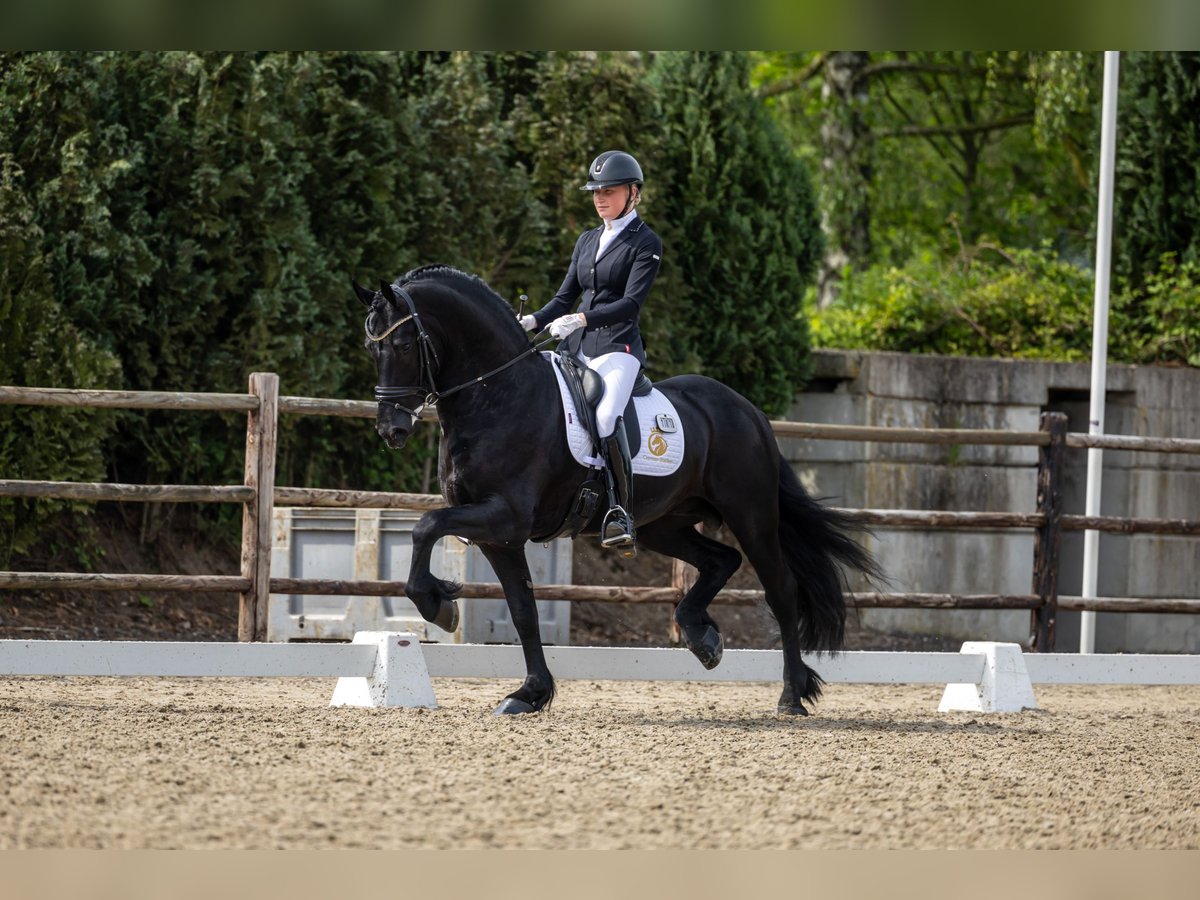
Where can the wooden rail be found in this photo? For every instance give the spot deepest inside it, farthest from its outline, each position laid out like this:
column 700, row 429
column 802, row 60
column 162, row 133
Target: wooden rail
column 144, row 493
column 263, row 404
column 29, row 396
column 293, row 496
column 365, row 409
column 129, row 582
column 345, row 499
column 573, row 592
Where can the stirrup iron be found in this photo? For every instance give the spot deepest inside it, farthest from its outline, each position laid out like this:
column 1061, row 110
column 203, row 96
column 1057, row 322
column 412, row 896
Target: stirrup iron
column 617, row 520
column 616, row 531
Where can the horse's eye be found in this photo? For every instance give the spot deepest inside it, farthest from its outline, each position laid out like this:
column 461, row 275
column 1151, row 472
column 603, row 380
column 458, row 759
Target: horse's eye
column 406, row 346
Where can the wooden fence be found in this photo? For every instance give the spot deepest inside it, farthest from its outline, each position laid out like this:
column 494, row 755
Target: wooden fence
column 263, row 405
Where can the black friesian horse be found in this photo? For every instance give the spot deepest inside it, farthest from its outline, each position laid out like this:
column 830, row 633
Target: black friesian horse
column 441, row 336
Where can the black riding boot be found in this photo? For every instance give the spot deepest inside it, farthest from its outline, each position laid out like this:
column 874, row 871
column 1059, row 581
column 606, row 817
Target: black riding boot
column 617, row 530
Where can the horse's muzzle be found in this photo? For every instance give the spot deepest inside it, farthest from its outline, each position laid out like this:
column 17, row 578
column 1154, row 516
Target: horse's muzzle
column 394, row 425
column 394, row 436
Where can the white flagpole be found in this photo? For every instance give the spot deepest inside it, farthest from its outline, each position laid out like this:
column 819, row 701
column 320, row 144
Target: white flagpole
column 1095, row 459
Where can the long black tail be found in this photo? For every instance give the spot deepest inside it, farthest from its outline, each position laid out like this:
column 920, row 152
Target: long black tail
column 815, row 541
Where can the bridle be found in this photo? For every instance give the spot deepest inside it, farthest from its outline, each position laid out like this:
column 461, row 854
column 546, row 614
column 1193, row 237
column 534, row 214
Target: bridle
column 427, row 391
column 426, row 355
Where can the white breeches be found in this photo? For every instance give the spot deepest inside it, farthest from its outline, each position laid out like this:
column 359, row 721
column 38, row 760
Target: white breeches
column 619, row 372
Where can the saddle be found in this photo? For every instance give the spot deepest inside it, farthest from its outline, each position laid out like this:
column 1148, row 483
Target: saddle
column 586, row 389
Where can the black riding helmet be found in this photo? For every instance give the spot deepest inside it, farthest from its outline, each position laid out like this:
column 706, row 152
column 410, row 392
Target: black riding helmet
column 611, row 168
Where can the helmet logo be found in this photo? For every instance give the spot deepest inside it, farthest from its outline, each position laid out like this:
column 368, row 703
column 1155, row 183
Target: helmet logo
column 599, row 167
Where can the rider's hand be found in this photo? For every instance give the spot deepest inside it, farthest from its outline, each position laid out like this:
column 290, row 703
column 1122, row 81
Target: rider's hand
column 565, row 325
column 529, row 323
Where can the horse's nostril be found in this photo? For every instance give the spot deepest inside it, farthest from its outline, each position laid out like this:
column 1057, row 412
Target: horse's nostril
column 394, row 436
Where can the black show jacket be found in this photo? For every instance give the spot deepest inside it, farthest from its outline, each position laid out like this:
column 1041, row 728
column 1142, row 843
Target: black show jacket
column 614, row 288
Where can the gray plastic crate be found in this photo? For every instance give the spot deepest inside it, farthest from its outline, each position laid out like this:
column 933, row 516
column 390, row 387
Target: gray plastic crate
column 370, row 544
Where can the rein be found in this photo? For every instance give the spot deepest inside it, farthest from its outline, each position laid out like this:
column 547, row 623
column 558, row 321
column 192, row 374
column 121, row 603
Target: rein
column 425, row 350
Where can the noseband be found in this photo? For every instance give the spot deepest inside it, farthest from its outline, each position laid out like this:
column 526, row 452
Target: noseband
column 427, row 391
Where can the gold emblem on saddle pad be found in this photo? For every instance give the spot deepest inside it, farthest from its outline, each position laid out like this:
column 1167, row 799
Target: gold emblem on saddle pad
column 657, row 445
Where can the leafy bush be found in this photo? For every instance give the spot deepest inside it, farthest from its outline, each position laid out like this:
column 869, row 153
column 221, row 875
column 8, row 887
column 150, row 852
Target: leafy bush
column 1164, row 316
column 988, row 302
column 1019, row 304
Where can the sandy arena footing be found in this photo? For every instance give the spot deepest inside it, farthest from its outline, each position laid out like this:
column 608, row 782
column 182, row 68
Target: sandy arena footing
column 259, row 763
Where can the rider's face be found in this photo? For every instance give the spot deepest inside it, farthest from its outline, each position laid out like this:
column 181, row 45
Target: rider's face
column 610, row 201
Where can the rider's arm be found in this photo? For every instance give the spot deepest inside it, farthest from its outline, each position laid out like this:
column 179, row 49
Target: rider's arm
column 566, row 296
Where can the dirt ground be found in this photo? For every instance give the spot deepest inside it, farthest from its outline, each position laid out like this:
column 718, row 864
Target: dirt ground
column 258, row 763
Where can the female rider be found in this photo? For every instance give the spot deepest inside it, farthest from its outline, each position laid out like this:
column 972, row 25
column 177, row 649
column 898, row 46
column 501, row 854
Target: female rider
column 613, row 267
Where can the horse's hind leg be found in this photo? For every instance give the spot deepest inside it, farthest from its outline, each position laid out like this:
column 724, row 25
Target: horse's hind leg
column 715, row 562
column 759, row 537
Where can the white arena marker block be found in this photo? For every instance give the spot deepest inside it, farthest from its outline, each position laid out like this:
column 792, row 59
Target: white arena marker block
column 400, row 677
column 1005, row 686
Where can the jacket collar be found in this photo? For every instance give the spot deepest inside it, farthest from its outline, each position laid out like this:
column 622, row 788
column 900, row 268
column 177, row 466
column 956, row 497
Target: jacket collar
column 621, row 238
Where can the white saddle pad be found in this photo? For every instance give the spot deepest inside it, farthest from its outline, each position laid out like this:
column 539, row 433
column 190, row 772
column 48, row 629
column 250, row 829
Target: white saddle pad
column 659, row 450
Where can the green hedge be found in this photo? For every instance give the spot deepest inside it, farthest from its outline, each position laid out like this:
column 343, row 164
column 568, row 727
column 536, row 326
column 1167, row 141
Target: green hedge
column 1021, row 304
column 175, row 221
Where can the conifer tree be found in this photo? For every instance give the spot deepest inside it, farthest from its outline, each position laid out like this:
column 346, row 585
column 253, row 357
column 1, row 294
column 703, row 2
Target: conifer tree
column 1157, row 200
column 739, row 224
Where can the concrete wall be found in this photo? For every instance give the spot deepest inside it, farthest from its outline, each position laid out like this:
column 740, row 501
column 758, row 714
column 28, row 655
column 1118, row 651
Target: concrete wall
column 893, row 389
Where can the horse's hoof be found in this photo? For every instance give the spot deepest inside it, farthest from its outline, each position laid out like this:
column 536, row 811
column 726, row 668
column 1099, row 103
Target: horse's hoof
column 447, row 617
column 791, row 709
column 709, row 649
column 511, row 706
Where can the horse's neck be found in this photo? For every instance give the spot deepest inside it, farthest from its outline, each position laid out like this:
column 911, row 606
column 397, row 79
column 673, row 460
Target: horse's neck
column 507, row 401
column 475, row 341
column 468, row 355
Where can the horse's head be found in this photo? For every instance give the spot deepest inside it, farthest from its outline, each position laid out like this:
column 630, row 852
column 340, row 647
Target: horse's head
column 463, row 334
column 404, row 358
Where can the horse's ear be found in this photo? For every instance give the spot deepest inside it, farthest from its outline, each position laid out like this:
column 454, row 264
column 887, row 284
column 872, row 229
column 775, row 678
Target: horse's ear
column 388, row 292
column 365, row 297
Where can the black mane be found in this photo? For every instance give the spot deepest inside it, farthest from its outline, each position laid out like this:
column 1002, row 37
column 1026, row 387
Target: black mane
column 441, row 272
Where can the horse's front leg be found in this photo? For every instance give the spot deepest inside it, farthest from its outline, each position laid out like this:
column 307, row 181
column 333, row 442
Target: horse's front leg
column 512, row 569
column 490, row 520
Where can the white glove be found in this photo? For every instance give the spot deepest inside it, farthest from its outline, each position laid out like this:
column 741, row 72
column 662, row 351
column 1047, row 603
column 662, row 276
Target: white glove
column 565, row 325
column 529, row 323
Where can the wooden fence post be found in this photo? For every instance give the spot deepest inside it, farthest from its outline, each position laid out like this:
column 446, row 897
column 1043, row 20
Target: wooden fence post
column 257, row 514
column 1048, row 536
